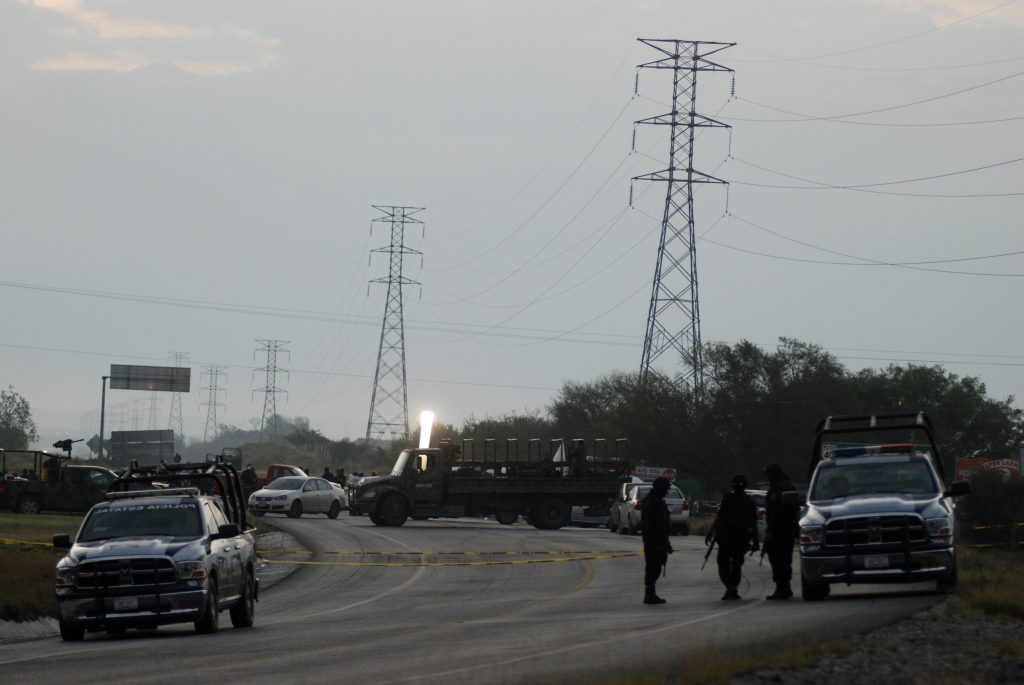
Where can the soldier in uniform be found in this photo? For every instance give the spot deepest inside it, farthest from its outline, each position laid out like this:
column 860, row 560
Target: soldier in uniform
column 781, row 520
column 655, row 526
column 735, row 530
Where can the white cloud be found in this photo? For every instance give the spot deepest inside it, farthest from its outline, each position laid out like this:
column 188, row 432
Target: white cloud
column 185, row 45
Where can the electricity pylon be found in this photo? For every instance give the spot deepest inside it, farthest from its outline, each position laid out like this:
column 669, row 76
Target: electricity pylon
column 213, row 389
column 268, row 422
column 389, row 404
column 673, row 319
column 174, row 423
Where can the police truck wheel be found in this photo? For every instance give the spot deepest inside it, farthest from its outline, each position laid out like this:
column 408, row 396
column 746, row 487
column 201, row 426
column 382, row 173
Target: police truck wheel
column 70, row 633
column 335, row 509
column 210, row 621
column 506, row 518
column 813, row 592
column 376, row 519
column 243, row 612
column 395, row 511
column 296, row 510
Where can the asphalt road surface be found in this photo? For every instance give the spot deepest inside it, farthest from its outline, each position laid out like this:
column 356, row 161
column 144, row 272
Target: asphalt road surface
column 464, row 601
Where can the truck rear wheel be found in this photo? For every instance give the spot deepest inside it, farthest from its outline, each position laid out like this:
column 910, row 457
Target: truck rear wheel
column 70, row 633
column 394, row 511
column 30, row 504
column 550, row 514
column 506, row 518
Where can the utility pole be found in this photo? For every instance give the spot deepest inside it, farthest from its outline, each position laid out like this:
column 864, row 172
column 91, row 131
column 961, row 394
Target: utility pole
column 174, row 423
column 673, row 319
column 389, row 405
column 268, row 422
column 215, row 373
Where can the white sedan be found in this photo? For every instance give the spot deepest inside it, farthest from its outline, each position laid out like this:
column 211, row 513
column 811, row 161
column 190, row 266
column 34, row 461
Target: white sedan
column 298, row 495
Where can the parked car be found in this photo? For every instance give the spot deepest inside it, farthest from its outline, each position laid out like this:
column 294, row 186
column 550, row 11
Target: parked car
column 613, row 512
column 760, row 498
column 628, row 514
column 589, row 517
column 298, row 495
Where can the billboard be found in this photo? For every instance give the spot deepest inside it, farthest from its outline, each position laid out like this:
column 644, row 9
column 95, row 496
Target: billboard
column 153, row 378
column 1010, row 468
column 146, row 447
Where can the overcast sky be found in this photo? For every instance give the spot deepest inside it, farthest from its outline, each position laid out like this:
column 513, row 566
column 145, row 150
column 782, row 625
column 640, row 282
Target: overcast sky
column 195, row 176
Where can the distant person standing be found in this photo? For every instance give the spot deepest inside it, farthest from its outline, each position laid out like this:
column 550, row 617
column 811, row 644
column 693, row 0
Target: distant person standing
column 735, row 530
column 780, row 534
column 328, row 476
column 656, row 526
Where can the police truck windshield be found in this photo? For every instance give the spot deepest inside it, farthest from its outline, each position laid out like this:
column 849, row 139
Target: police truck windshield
column 173, row 519
column 874, row 475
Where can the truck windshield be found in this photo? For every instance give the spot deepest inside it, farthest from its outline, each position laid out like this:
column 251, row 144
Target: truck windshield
column 400, row 463
column 851, row 477
column 178, row 520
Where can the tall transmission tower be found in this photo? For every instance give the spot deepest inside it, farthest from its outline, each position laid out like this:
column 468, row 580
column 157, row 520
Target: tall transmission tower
column 268, row 422
column 174, row 423
column 153, row 406
column 389, row 405
column 673, row 320
column 213, row 389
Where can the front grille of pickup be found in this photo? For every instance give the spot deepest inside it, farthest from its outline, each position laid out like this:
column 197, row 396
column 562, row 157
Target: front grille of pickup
column 872, row 531
column 139, row 573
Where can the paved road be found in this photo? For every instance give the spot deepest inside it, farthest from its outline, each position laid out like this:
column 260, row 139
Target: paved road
column 508, row 617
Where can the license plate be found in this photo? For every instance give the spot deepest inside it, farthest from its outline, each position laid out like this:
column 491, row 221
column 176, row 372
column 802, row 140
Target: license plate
column 126, row 603
column 876, row 562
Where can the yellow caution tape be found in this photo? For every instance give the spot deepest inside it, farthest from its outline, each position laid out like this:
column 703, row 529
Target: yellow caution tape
column 5, row 541
column 999, row 525
column 503, row 562
column 511, row 552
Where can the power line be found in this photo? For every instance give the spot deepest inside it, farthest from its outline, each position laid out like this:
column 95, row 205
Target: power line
column 873, row 46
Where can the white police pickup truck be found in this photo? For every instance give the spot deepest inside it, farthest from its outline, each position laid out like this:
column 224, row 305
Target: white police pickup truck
column 154, row 555
column 877, row 513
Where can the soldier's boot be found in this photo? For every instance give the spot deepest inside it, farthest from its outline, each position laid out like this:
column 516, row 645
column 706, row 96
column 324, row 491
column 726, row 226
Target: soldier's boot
column 731, row 593
column 651, row 598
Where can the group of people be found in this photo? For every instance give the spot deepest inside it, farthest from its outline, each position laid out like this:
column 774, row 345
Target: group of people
column 734, row 530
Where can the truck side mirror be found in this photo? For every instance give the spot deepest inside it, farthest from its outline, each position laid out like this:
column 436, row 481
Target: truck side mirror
column 227, row 530
column 958, row 488
column 62, row 541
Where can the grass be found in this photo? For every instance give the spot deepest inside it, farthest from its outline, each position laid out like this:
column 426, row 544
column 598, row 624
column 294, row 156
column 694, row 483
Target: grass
column 1010, row 648
column 989, row 584
column 26, row 571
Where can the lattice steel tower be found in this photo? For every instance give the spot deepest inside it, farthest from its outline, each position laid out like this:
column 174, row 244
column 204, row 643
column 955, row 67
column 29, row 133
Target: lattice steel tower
column 389, row 405
column 174, row 423
column 673, row 320
column 213, row 390
column 268, row 422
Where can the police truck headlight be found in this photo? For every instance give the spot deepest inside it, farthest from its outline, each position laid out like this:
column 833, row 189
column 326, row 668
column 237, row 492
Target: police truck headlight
column 66, row 576
column 939, row 527
column 191, row 570
column 810, row 535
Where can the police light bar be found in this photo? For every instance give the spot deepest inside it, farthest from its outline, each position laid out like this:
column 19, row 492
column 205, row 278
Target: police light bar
column 893, row 448
column 164, row 492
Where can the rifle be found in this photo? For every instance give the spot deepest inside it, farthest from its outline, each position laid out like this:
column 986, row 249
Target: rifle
column 711, row 547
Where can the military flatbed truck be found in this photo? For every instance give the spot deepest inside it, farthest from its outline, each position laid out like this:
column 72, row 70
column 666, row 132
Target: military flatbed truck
column 441, row 482
column 33, row 481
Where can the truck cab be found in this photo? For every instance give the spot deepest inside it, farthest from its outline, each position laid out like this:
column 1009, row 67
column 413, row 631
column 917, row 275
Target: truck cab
column 877, row 513
column 34, row 481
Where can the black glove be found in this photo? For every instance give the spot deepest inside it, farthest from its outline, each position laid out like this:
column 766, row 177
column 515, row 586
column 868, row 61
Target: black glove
column 668, row 549
column 709, row 540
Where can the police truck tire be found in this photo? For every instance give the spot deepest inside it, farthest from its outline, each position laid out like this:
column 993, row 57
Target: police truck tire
column 376, row 519
column 506, row 518
column 243, row 612
column 813, row 592
column 550, row 514
column 296, row 510
column 394, row 511
column 210, row 620
column 70, row 633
